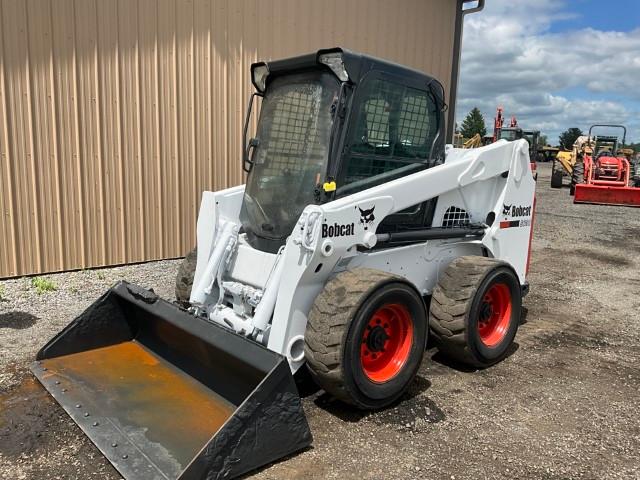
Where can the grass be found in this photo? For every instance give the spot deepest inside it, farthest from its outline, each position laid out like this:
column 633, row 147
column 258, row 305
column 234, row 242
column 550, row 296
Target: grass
column 101, row 275
column 2, row 297
column 42, row 285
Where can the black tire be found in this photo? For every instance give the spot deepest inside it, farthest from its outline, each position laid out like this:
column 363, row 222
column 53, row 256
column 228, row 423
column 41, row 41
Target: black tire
column 635, row 174
column 556, row 179
column 577, row 176
column 184, row 278
column 458, row 301
column 334, row 339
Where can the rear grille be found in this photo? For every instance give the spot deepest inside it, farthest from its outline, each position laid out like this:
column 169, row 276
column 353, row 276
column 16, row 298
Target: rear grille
column 455, row 217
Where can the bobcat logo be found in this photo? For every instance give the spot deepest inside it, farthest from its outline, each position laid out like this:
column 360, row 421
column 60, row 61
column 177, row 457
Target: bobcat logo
column 366, row 216
column 516, row 211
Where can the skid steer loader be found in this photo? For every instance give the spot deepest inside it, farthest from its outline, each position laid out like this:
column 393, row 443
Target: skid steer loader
column 357, row 234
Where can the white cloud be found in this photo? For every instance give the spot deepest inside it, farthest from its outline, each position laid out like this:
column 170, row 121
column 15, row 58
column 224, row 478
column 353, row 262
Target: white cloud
column 550, row 81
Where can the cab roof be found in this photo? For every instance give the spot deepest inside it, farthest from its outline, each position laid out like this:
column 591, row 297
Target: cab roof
column 356, row 64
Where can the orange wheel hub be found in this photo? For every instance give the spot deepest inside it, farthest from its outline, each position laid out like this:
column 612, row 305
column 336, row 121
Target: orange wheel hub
column 495, row 314
column 386, row 342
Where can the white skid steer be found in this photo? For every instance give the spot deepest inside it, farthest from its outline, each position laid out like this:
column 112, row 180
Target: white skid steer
column 357, row 234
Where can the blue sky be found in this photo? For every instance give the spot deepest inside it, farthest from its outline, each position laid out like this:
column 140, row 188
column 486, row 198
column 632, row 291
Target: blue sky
column 554, row 64
column 621, row 15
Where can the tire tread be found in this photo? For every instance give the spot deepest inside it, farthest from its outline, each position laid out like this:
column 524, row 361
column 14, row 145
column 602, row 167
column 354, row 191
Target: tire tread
column 451, row 302
column 184, row 277
column 328, row 325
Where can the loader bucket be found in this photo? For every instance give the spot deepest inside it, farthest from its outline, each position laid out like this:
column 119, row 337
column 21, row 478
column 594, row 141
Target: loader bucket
column 607, row 195
column 166, row 395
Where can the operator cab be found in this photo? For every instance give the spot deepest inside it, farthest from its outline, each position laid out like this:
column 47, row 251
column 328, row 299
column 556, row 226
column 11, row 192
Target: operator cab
column 606, row 146
column 510, row 134
column 333, row 123
column 531, row 136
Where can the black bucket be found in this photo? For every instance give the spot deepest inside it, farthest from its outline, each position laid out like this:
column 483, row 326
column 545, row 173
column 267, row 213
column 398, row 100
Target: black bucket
column 166, row 395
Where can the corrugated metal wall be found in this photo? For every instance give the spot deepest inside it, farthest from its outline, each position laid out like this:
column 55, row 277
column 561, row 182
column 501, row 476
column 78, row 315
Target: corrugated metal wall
column 115, row 115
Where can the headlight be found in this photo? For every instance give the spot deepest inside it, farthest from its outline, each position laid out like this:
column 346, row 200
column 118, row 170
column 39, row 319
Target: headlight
column 259, row 76
column 334, row 61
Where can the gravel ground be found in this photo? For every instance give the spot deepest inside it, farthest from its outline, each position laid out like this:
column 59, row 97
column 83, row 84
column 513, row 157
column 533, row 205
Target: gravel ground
column 563, row 405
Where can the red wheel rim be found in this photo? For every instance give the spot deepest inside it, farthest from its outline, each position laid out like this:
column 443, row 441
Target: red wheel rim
column 495, row 314
column 386, row 342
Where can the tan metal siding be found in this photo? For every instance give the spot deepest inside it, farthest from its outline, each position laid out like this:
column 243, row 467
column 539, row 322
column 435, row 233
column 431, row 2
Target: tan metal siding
column 116, row 114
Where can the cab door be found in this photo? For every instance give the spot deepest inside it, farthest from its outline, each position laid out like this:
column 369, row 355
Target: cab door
column 393, row 133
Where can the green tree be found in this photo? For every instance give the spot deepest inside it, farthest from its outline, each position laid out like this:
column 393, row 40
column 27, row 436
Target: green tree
column 635, row 146
column 542, row 140
column 569, row 136
column 473, row 123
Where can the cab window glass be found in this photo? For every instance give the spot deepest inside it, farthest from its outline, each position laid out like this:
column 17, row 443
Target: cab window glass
column 394, row 129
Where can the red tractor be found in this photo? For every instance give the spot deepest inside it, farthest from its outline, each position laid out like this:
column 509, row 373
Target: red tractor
column 498, row 124
column 603, row 174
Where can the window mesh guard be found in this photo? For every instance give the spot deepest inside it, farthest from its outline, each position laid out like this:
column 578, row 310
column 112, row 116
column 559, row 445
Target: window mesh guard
column 413, row 127
column 394, row 132
column 396, row 122
column 294, row 130
column 455, row 217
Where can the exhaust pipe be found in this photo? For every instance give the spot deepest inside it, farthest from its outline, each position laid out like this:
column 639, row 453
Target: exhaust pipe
column 166, row 395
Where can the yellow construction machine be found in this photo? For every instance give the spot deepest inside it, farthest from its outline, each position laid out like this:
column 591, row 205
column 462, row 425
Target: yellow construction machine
column 565, row 160
column 546, row 153
column 473, row 142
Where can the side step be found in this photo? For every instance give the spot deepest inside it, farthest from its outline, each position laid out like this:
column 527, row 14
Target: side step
column 165, row 395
